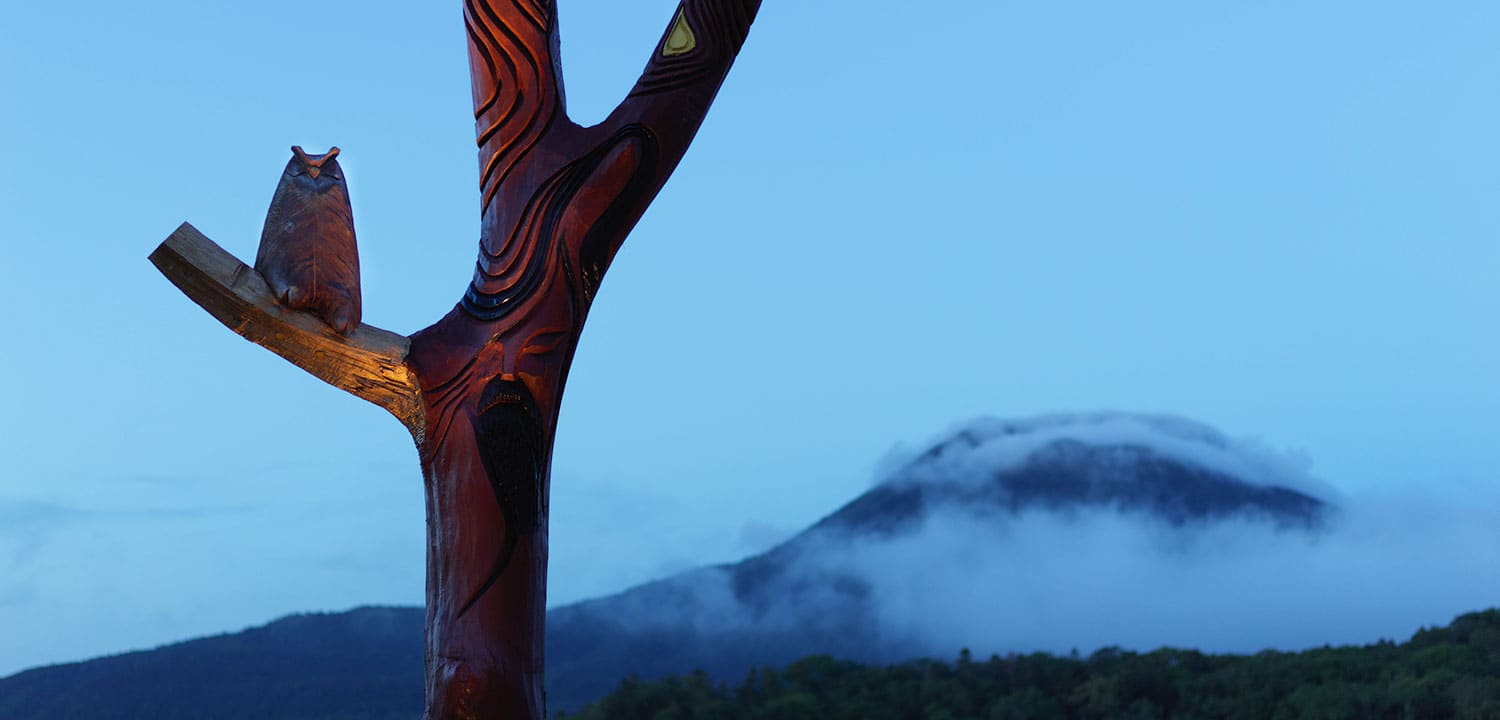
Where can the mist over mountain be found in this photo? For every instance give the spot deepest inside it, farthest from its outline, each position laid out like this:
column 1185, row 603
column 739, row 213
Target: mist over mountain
column 879, row 579
column 1052, row 533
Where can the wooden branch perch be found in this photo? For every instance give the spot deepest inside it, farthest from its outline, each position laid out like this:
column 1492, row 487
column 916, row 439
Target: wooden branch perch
column 368, row 362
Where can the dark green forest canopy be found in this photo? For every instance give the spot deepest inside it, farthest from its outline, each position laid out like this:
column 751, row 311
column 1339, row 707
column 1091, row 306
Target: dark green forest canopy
column 1448, row 672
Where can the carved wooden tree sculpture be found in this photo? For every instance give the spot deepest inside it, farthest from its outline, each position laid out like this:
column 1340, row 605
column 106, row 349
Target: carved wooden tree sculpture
column 480, row 389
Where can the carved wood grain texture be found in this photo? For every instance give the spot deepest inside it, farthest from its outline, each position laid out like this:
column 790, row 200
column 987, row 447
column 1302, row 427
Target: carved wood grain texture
column 369, row 362
column 557, row 202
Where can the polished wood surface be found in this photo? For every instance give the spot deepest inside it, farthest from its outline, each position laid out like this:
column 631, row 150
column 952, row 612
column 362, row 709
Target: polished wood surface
column 481, row 388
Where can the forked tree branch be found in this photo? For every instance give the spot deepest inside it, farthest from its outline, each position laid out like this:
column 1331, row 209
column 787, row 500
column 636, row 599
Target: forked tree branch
column 368, row 362
column 557, row 202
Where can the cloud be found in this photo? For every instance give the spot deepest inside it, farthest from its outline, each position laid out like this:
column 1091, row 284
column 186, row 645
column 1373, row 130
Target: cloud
column 16, row 514
column 976, row 450
column 1045, row 581
column 112, row 564
column 24, row 528
column 1090, row 573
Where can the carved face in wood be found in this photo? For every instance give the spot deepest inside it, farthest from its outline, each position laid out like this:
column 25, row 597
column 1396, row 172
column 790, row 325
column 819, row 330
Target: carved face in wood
column 509, row 430
column 508, row 434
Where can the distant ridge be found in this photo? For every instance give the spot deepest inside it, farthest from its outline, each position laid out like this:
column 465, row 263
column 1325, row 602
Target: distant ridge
column 364, row 663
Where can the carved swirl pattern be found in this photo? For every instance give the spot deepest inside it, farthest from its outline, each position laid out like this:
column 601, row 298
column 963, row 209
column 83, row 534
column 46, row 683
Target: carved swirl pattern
column 557, row 202
column 718, row 27
column 515, row 99
column 504, row 281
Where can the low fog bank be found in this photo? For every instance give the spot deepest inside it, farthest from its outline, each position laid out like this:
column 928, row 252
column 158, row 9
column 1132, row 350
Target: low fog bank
column 1046, row 581
column 956, row 547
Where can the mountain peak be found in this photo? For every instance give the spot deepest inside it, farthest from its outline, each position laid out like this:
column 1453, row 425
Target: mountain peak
column 1173, row 469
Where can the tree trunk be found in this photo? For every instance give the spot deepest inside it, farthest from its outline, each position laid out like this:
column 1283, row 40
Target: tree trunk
column 480, row 389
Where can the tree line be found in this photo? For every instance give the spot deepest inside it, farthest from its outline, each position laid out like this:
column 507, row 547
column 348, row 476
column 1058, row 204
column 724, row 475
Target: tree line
column 1445, row 672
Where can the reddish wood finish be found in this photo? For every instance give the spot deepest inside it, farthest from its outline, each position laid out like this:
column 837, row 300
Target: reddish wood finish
column 480, row 389
column 558, row 200
column 307, row 252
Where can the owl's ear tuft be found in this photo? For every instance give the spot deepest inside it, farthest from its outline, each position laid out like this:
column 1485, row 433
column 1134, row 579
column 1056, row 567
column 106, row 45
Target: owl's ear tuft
column 314, row 161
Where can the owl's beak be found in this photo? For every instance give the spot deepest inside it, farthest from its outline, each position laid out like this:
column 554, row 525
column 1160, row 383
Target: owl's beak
column 314, row 171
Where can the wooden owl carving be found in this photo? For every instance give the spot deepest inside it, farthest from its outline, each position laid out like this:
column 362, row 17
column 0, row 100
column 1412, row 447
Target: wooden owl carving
column 307, row 253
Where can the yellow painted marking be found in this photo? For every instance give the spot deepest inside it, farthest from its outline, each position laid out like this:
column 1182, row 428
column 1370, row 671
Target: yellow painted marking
column 681, row 40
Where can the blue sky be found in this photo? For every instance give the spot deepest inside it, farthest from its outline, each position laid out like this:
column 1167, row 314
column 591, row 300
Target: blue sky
column 1279, row 219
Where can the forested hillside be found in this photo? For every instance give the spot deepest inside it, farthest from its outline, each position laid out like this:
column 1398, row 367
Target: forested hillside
column 365, row 664
column 1450, row 672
